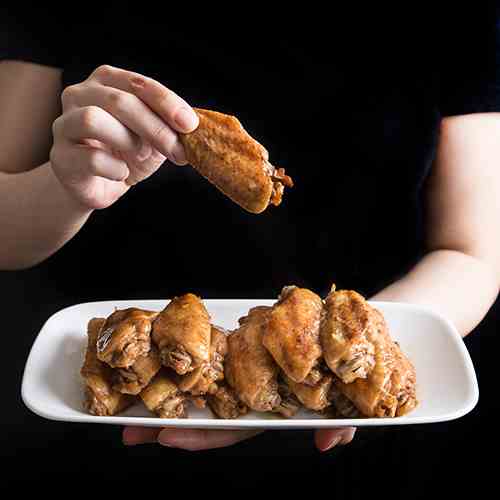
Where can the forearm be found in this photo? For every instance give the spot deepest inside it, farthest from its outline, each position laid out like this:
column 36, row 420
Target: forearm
column 456, row 285
column 37, row 217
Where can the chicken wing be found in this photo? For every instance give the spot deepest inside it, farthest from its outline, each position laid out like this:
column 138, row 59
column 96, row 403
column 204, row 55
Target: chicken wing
column 224, row 153
column 203, row 379
column 346, row 325
column 314, row 397
column 162, row 396
column 249, row 368
column 100, row 398
column 389, row 388
column 225, row 403
column 133, row 379
column 182, row 333
column 125, row 337
column 342, row 406
column 289, row 404
column 292, row 334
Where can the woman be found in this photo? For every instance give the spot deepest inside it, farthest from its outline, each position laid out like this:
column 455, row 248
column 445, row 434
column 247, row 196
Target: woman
column 395, row 156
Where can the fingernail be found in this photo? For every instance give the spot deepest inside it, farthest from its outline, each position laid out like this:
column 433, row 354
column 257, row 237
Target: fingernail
column 334, row 443
column 178, row 154
column 186, row 119
column 164, row 442
column 144, row 151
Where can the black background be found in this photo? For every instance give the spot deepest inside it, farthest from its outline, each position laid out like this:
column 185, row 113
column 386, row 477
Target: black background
column 409, row 461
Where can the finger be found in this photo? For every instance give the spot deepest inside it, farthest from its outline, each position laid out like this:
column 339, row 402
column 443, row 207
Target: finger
column 200, row 439
column 135, row 115
column 326, row 439
column 140, row 435
column 79, row 162
column 163, row 101
column 142, row 169
column 92, row 122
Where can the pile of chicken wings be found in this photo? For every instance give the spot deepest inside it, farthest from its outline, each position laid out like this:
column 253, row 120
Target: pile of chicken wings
column 332, row 356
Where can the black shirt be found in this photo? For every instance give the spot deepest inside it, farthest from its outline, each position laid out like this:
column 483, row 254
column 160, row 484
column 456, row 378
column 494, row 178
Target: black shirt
column 348, row 104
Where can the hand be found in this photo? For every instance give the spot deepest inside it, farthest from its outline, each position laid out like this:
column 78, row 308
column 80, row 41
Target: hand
column 197, row 439
column 116, row 129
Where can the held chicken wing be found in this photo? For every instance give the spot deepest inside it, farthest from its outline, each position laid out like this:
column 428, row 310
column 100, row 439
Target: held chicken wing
column 315, row 397
column 389, row 388
column 346, row 325
column 292, row 334
column 100, row 398
column 249, row 368
column 203, row 379
column 125, row 337
column 224, row 153
column 133, row 379
column 225, row 403
column 162, row 397
column 182, row 333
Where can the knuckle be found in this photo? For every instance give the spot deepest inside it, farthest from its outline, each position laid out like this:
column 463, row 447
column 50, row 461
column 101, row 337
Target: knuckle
column 103, row 71
column 89, row 118
column 56, row 126
column 118, row 100
column 69, row 94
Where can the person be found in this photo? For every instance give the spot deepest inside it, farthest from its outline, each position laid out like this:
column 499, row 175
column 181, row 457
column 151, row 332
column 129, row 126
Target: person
column 393, row 142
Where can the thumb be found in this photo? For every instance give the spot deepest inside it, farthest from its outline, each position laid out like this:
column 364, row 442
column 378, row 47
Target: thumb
column 326, row 439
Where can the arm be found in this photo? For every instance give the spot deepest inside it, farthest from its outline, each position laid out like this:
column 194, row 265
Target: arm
column 459, row 277
column 116, row 129
column 33, row 224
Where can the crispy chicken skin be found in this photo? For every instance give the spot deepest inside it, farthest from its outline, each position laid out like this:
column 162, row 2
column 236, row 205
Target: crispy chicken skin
column 162, row 397
column 125, row 337
column 389, row 388
column 224, row 403
column 292, row 333
column 182, row 333
column 204, row 378
column 224, row 153
column 100, row 398
column 346, row 325
column 133, row 379
column 249, row 368
column 314, row 397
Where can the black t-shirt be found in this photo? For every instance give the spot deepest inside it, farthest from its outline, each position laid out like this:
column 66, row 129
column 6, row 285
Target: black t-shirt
column 349, row 105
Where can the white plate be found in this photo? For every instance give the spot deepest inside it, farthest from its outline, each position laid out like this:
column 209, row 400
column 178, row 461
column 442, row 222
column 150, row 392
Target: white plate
column 446, row 382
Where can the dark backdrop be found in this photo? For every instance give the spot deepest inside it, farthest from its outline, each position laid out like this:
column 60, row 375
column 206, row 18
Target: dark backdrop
column 424, row 461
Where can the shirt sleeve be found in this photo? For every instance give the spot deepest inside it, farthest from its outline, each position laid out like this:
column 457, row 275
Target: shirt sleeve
column 470, row 65
column 31, row 35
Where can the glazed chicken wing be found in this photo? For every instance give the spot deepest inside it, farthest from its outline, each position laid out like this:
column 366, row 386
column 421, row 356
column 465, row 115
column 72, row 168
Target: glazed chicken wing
column 125, row 337
column 100, row 398
column 389, row 388
column 249, row 368
column 133, row 379
column 225, row 403
column 203, row 379
column 314, row 397
column 292, row 334
column 162, row 396
column 224, row 153
column 346, row 326
column 182, row 333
